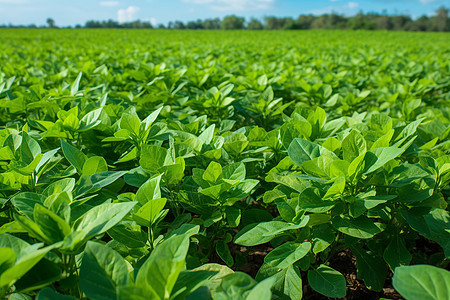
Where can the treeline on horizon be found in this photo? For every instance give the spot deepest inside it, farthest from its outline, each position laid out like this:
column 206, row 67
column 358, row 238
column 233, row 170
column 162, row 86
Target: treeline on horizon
column 369, row 21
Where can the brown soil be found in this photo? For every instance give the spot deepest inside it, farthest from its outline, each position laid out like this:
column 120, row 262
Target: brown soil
column 255, row 258
column 342, row 261
column 345, row 263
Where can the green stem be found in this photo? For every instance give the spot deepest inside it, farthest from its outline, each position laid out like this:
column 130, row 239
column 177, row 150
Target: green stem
column 150, row 237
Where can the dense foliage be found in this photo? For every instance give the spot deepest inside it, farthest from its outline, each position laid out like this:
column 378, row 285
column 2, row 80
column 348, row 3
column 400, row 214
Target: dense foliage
column 370, row 21
column 158, row 165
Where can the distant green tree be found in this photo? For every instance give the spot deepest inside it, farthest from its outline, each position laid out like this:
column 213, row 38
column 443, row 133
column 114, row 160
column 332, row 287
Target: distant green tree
column 319, row 22
column 383, row 22
column 423, row 24
column 255, row 24
column 399, row 22
column 191, row 25
column 195, row 25
column 288, row 24
column 232, row 22
column 304, row 21
column 274, row 23
column 369, row 21
column 179, row 25
column 361, row 21
column 212, row 24
column 51, row 23
column 442, row 22
column 336, row 21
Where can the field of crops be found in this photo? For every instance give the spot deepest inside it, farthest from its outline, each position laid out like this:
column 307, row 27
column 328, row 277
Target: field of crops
column 224, row 165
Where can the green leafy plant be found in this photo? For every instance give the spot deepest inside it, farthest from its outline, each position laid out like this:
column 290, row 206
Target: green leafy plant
column 223, row 165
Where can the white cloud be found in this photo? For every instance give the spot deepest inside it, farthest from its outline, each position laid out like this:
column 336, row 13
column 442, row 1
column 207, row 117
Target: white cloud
column 352, row 5
column 109, row 3
column 128, row 14
column 234, row 5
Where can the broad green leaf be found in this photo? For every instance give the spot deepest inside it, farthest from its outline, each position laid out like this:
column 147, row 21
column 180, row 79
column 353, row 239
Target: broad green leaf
column 74, row 156
column 255, row 234
column 361, row 227
column 103, row 179
column 96, row 221
column 151, row 118
column 353, row 145
column 311, row 201
column 26, row 201
column 131, row 236
column 46, row 157
column 235, row 171
column 52, row 226
column 396, row 254
column 76, row 85
column 320, row 166
column 160, row 271
column 294, row 129
column 94, row 165
column 361, row 205
column 327, row 281
column 376, row 158
column 235, row 144
column 422, row 282
column 282, row 257
column 29, row 149
column 212, row 172
column 332, row 144
column 289, row 283
column 224, row 252
column 149, row 190
column 130, row 123
column 207, row 135
column 50, row 294
column 234, row 286
column 336, row 189
column 434, row 225
column 301, row 150
column 153, row 158
column 135, row 293
column 44, row 273
column 149, row 212
column 215, row 190
column 262, row 291
column 27, row 257
column 233, row 216
column 91, row 183
column 191, row 280
column 381, row 122
column 322, row 237
column 173, row 174
column 102, row 271
column 371, row 268
column 90, row 120
column 66, row 184
column 7, row 259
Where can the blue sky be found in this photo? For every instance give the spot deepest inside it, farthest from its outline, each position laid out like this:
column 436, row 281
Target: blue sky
column 71, row 12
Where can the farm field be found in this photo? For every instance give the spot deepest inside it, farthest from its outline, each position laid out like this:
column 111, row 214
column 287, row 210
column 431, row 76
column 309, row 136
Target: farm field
column 157, row 164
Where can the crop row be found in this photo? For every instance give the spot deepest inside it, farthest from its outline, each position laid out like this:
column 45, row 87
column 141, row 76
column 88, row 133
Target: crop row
column 137, row 171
